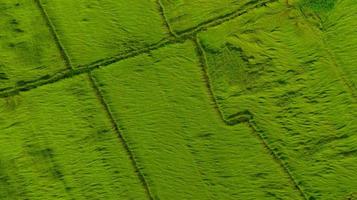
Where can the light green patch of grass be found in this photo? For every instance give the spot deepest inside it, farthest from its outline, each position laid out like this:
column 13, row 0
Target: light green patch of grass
column 57, row 143
column 27, row 49
column 294, row 73
column 162, row 105
column 92, row 30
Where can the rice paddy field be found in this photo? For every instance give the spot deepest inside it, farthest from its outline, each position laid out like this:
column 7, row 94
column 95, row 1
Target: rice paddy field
column 178, row 99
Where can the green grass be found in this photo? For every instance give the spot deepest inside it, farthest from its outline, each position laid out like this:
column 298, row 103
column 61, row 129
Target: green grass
column 58, row 143
column 164, row 110
column 296, row 78
column 253, row 100
column 92, row 30
column 27, row 49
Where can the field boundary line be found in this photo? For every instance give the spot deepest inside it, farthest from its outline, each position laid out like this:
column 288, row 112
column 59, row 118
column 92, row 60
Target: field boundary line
column 121, row 137
column 55, row 36
column 131, row 54
column 203, row 62
column 261, row 137
column 189, row 34
column 165, row 19
column 63, row 74
column 220, row 20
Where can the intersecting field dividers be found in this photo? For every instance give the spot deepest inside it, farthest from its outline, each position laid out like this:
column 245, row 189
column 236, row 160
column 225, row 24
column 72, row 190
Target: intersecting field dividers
column 249, row 121
column 102, row 101
column 189, row 34
column 68, row 73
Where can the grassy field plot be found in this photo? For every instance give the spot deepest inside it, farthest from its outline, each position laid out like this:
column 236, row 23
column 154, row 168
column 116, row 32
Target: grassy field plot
column 27, row 49
column 92, row 30
column 58, row 143
column 162, row 105
column 289, row 65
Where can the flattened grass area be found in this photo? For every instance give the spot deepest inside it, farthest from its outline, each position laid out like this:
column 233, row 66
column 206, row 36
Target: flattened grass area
column 294, row 73
column 58, row 143
column 92, row 30
column 27, row 49
column 163, row 108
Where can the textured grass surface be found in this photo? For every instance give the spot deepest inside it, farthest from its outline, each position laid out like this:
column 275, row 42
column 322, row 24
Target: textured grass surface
column 253, row 100
column 187, row 152
column 93, row 30
column 58, row 143
column 27, row 49
column 298, row 87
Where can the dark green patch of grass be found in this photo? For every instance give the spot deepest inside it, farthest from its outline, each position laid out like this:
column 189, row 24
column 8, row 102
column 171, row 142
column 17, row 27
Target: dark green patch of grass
column 319, row 5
